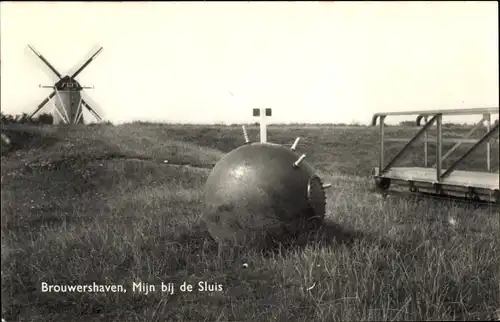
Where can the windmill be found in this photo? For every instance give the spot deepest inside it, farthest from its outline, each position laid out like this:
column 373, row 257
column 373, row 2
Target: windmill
column 68, row 104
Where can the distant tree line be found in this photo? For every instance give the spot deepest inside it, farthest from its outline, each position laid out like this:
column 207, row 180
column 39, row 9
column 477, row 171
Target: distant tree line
column 24, row 118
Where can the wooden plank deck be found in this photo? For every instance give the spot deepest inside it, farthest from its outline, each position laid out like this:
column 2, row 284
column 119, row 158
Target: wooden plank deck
column 482, row 180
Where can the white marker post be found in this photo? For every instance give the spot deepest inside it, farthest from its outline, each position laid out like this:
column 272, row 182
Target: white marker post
column 264, row 113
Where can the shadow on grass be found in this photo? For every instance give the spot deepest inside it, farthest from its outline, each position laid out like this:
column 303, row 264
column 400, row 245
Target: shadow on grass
column 329, row 234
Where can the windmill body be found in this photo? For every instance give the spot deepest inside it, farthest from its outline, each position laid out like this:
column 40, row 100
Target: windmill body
column 68, row 102
column 67, row 95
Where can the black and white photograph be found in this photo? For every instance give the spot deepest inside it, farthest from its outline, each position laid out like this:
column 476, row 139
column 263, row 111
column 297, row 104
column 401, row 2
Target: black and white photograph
column 249, row 161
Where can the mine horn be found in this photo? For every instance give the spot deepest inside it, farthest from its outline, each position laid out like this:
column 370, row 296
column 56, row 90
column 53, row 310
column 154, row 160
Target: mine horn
column 294, row 145
column 245, row 134
column 297, row 163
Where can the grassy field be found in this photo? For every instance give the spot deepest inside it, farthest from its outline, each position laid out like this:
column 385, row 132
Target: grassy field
column 99, row 204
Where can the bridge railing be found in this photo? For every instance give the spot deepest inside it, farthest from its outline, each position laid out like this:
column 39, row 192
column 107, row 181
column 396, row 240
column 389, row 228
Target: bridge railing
column 436, row 117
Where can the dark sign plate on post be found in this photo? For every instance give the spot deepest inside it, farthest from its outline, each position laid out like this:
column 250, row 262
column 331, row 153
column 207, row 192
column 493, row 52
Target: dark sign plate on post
column 256, row 112
column 268, row 112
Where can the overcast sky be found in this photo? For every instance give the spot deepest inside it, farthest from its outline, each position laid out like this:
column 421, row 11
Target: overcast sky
column 309, row 61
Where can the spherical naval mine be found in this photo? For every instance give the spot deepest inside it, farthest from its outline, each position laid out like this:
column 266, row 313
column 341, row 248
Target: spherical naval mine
column 262, row 190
